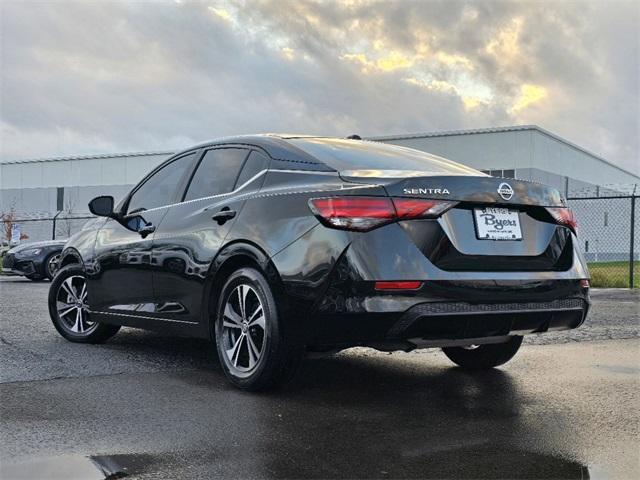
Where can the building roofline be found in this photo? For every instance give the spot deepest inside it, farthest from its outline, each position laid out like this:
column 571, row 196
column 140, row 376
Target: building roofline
column 444, row 133
column 86, row 157
column 514, row 128
column 146, row 154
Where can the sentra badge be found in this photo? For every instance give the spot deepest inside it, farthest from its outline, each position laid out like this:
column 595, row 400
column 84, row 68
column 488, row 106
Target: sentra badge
column 426, row 191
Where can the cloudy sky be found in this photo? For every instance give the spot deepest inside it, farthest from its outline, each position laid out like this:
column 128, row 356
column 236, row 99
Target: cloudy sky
column 96, row 77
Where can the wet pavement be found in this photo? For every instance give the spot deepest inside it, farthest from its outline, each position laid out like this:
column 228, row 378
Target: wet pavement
column 150, row 406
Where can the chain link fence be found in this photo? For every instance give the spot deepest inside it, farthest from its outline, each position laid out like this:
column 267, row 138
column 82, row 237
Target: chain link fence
column 38, row 229
column 608, row 235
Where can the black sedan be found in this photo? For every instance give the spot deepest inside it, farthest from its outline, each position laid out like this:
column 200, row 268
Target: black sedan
column 273, row 246
column 35, row 260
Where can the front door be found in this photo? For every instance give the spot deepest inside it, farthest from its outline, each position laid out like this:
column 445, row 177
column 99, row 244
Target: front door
column 120, row 279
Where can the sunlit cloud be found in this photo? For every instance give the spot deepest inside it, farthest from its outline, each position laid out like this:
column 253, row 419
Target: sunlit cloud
column 333, row 67
column 505, row 45
column 529, row 94
column 454, row 60
column 287, row 53
column 471, row 95
column 472, row 102
column 392, row 61
column 437, row 85
column 221, row 12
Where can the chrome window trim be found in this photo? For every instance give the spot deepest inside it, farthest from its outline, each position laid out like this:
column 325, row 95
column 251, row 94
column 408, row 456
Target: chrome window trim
column 238, row 189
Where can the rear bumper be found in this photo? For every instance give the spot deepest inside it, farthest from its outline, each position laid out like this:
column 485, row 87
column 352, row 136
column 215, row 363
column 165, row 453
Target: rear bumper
column 444, row 312
column 445, row 323
column 458, row 320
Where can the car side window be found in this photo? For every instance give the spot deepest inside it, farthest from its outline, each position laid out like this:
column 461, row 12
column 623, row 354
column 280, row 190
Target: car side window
column 216, row 173
column 160, row 189
column 256, row 163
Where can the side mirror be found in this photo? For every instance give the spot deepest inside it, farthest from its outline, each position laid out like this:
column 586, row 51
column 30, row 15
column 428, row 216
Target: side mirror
column 102, row 206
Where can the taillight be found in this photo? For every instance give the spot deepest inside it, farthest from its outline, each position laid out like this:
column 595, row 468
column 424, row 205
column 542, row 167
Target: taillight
column 365, row 213
column 408, row 208
column 353, row 213
column 564, row 216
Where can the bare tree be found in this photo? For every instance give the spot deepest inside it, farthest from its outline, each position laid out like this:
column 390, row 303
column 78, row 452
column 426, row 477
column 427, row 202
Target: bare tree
column 66, row 225
column 8, row 221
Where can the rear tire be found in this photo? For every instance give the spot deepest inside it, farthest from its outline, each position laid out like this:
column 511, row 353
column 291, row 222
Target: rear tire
column 484, row 356
column 69, row 311
column 252, row 348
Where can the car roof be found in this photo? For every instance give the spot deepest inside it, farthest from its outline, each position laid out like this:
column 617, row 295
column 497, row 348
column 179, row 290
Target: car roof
column 292, row 152
column 284, row 154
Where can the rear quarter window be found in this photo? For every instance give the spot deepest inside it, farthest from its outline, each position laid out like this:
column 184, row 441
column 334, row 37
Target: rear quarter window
column 256, row 163
column 216, row 173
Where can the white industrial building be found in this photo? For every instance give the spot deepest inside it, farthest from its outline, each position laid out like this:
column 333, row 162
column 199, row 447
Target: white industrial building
column 525, row 152
column 40, row 188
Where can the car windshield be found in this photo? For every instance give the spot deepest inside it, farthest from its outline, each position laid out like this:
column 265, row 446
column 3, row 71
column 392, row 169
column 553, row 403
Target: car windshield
column 368, row 158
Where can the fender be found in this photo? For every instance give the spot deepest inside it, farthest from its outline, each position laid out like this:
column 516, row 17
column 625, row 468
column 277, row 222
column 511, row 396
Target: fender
column 237, row 248
column 71, row 256
column 222, row 263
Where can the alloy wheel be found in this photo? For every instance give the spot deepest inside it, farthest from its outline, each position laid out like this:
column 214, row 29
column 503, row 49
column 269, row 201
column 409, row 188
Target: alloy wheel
column 52, row 265
column 243, row 329
column 71, row 305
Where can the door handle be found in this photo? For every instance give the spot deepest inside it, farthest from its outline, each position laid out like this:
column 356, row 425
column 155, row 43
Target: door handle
column 223, row 215
column 146, row 230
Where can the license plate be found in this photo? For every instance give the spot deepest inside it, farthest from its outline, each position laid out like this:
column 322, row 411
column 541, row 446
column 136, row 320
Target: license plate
column 497, row 224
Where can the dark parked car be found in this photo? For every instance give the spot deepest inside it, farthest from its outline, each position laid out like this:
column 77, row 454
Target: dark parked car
column 273, row 246
column 35, row 260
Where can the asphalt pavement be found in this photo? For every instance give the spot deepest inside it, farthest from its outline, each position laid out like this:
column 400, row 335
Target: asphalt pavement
column 153, row 406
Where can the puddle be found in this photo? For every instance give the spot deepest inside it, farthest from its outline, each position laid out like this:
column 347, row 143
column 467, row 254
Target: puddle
column 65, row 467
column 78, row 467
column 124, row 464
column 474, row 459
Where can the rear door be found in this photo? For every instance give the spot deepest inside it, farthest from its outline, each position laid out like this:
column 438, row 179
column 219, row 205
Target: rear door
column 122, row 278
column 193, row 231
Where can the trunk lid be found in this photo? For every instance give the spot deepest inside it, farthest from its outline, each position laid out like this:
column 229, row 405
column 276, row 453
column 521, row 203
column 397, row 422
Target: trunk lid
column 456, row 242
column 460, row 188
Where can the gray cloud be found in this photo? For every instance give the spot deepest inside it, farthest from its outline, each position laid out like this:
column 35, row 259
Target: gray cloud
column 93, row 77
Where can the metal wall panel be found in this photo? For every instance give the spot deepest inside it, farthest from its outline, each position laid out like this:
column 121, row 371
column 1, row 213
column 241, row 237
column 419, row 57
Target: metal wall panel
column 521, row 149
column 510, row 150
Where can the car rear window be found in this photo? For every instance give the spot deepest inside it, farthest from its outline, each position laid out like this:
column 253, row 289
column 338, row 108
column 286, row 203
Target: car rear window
column 353, row 155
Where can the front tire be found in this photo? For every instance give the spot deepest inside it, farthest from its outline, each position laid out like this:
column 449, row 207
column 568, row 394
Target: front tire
column 252, row 348
column 69, row 311
column 484, row 356
column 51, row 265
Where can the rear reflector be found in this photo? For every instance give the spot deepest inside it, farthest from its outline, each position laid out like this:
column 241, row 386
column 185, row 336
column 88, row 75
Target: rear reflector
column 397, row 285
column 366, row 213
column 584, row 283
column 564, row 216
